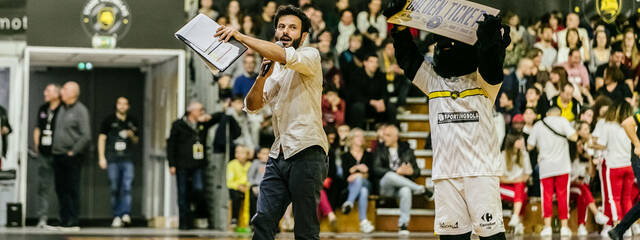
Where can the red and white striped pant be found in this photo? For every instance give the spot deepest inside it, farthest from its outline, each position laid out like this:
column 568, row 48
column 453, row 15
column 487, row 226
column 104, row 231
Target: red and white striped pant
column 582, row 194
column 617, row 191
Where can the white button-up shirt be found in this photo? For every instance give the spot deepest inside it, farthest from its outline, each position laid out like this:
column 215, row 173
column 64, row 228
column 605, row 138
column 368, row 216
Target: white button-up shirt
column 294, row 93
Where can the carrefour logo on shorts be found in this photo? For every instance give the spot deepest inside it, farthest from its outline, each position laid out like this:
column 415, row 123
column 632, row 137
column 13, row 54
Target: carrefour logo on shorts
column 458, row 117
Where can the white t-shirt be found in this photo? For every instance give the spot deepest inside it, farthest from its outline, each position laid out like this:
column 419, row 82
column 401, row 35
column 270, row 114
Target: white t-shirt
column 613, row 136
column 580, row 169
column 553, row 159
column 516, row 170
column 394, row 161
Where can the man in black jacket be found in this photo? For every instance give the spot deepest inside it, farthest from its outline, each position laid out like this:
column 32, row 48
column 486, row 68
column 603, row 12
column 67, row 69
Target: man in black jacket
column 368, row 95
column 187, row 158
column 395, row 165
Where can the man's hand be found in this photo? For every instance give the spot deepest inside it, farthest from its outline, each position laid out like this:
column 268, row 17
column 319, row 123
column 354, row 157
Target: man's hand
column 70, row 154
column 264, row 64
column 255, row 190
column 172, row 170
column 5, row 130
column 225, row 33
column 378, row 105
column 363, row 168
column 102, row 163
column 242, row 188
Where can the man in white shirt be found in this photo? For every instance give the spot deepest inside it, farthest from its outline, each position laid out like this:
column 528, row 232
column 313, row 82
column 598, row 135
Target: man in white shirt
column 290, row 82
column 549, row 53
column 550, row 137
column 573, row 21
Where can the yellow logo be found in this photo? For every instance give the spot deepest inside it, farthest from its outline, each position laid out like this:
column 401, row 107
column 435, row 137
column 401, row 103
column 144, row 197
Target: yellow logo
column 106, row 18
column 608, row 9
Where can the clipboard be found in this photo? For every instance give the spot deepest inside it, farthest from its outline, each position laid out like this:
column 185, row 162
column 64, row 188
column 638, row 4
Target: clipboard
column 198, row 33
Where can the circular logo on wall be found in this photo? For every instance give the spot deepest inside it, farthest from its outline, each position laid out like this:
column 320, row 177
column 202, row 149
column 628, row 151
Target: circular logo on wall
column 106, row 18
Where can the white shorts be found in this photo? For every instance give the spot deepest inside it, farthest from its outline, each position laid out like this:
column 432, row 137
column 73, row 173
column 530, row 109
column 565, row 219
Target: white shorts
column 466, row 204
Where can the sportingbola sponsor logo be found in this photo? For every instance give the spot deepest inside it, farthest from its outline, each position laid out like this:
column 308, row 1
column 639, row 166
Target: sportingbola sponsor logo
column 458, row 117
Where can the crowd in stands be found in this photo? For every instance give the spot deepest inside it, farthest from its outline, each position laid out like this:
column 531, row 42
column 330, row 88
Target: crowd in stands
column 569, row 83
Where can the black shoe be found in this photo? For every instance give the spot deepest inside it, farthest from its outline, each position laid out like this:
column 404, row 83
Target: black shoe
column 615, row 235
column 346, row 207
column 428, row 194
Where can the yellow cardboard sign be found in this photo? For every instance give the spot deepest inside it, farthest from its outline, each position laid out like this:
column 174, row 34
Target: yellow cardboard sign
column 455, row 19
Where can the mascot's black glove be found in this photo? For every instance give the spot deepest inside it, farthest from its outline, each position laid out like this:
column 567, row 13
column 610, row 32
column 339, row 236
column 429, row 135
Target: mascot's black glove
column 493, row 39
column 393, row 7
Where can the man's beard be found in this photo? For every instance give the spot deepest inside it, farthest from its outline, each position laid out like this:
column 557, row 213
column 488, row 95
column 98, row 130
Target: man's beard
column 295, row 43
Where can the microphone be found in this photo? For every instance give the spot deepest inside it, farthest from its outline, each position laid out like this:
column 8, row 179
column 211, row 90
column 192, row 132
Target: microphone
column 266, row 67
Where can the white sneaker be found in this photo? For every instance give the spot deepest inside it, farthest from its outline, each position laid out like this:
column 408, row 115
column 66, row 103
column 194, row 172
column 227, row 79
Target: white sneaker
column 366, row 227
column 605, row 231
column 546, row 232
column 601, row 218
column 518, row 229
column 403, row 231
column 628, row 234
column 582, row 230
column 565, row 232
column 42, row 223
column 635, row 228
column 514, row 221
column 126, row 219
column 117, row 222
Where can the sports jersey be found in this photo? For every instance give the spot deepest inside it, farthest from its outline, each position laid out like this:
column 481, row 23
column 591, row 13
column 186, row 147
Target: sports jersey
column 464, row 136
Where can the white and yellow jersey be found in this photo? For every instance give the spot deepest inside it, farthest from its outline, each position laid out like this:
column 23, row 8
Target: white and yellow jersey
column 463, row 131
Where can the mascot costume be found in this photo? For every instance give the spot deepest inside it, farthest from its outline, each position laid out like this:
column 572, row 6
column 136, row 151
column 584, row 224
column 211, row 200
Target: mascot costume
column 461, row 84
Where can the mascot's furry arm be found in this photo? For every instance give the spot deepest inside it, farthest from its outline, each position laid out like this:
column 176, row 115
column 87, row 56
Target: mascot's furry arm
column 407, row 53
column 493, row 39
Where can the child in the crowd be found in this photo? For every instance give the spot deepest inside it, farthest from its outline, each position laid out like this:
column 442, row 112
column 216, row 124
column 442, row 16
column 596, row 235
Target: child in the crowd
column 582, row 170
column 255, row 175
column 517, row 169
column 237, row 181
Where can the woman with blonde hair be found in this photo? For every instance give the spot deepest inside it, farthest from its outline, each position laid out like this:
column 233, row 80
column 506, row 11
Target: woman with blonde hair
column 357, row 161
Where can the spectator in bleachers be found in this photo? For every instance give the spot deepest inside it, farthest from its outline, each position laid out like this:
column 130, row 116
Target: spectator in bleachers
column 581, row 173
column 369, row 96
column 573, row 43
column 238, row 183
column 395, row 165
column 516, row 169
column 507, row 107
column 539, row 72
column 5, row 130
column 600, row 51
column 346, row 29
column 586, row 115
column 518, row 31
column 616, row 59
column 569, row 106
column 553, row 20
column 343, row 132
column 243, row 83
column 600, row 108
column 335, row 184
column 349, row 59
column 551, row 136
column 248, row 26
column 255, row 175
column 614, row 87
column 557, row 79
column 372, row 18
column 545, row 44
column 234, row 16
column 397, row 83
column 631, row 53
column 373, row 144
column 333, row 108
column 616, row 172
column 247, row 137
column 265, row 21
column 530, row 117
column 225, row 90
column 517, row 82
column 334, row 15
column 514, row 52
column 357, row 162
column 222, row 20
column 578, row 75
column 536, row 100
column 573, row 24
column 206, row 8
column 323, row 45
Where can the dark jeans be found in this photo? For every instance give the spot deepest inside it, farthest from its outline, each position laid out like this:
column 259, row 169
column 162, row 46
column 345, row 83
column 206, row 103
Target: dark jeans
column 358, row 109
column 121, row 176
column 67, row 181
column 634, row 212
column 296, row 180
column 190, row 192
